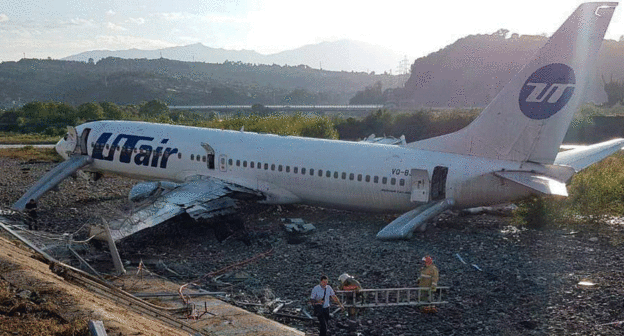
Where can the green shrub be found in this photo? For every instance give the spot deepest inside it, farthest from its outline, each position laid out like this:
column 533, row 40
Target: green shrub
column 534, row 212
column 598, row 191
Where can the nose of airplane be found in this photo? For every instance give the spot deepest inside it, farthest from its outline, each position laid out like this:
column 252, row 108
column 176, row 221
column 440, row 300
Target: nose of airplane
column 65, row 147
column 61, row 147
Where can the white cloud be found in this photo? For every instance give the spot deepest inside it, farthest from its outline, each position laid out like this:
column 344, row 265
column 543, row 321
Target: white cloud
column 173, row 16
column 136, row 21
column 110, row 12
column 3, row 18
column 79, row 22
column 115, row 27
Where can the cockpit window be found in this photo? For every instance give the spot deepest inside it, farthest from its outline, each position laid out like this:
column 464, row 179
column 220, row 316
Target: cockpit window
column 65, row 137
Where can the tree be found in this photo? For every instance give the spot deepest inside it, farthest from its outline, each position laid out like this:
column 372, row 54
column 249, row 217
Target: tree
column 370, row 95
column 113, row 112
column 615, row 91
column 90, row 111
column 153, row 109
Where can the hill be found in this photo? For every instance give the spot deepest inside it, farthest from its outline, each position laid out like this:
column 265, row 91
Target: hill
column 131, row 81
column 471, row 71
column 467, row 73
column 343, row 55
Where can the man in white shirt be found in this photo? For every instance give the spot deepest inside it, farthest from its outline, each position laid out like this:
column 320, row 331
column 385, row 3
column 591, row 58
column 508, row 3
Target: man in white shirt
column 320, row 301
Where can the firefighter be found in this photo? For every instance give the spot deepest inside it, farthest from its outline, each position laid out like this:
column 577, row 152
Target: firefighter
column 349, row 283
column 429, row 277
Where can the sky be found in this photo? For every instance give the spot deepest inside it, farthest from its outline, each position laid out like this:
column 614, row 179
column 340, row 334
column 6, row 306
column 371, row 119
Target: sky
column 60, row 28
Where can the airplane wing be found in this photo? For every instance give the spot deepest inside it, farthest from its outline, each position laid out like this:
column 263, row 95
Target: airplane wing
column 201, row 198
column 582, row 157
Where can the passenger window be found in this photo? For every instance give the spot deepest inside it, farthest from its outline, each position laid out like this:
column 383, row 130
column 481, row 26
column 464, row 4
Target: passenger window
column 237, row 163
column 328, row 174
column 367, row 178
column 303, row 171
column 320, row 172
column 204, row 158
column 273, row 167
column 359, row 177
column 266, row 166
column 344, row 175
column 230, row 162
column 259, row 165
column 376, row 179
column 296, row 170
column 384, row 180
column 351, row 176
column 311, row 171
column 251, row 164
column 335, row 175
column 288, row 169
column 279, row 168
column 179, row 155
column 244, row 164
column 393, row 181
column 401, row 182
column 198, row 157
column 192, row 157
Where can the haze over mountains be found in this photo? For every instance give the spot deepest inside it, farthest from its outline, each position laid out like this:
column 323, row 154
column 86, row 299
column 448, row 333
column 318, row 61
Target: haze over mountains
column 466, row 73
column 343, row 55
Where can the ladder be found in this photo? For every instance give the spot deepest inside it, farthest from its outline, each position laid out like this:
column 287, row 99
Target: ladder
column 387, row 297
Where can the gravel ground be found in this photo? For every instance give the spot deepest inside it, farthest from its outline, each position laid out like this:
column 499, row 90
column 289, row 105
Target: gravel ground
column 527, row 283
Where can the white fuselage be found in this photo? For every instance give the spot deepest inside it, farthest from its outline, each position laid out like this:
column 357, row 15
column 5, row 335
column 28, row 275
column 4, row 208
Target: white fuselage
column 286, row 169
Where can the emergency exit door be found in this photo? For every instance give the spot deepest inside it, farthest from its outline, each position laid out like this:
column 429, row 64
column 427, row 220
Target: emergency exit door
column 420, row 185
column 223, row 163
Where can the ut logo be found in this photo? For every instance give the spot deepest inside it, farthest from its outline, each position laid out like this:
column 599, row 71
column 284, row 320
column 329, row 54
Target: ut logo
column 547, row 91
column 553, row 92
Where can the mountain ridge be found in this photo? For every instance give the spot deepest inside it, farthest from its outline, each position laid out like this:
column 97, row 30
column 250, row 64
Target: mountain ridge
column 341, row 55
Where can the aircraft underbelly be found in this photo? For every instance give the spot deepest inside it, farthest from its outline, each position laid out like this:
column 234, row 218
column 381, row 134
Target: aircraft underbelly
column 361, row 199
column 487, row 189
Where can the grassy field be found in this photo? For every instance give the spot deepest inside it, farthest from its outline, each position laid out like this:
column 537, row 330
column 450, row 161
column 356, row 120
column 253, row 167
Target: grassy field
column 16, row 138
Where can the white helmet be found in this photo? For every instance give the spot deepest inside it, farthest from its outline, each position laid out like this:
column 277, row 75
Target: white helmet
column 343, row 277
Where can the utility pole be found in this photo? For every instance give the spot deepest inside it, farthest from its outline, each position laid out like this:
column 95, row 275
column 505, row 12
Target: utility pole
column 404, row 66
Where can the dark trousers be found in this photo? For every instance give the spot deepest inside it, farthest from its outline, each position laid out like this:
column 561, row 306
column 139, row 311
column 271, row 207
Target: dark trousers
column 32, row 221
column 323, row 318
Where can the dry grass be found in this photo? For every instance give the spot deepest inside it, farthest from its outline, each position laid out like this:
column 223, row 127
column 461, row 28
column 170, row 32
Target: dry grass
column 29, row 154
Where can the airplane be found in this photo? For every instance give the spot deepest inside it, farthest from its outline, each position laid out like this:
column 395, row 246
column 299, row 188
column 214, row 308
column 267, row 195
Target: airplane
column 509, row 152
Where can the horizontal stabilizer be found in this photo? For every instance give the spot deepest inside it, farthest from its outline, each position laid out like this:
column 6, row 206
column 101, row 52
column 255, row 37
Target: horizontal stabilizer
column 543, row 184
column 402, row 227
column 52, row 178
column 582, row 157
